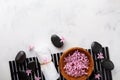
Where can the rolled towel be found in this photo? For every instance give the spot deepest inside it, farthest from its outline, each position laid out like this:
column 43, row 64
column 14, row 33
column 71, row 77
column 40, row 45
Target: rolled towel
column 49, row 71
column 47, row 66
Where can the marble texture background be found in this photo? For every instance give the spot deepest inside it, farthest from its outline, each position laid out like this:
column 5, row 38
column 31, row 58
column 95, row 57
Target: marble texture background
column 25, row 22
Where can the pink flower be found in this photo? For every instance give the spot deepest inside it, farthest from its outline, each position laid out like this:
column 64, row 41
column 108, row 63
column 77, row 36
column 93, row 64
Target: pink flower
column 100, row 55
column 97, row 76
column 28, row 72
column 31, row 47
column 46, row 60
column 37, row 78
column 62, row 39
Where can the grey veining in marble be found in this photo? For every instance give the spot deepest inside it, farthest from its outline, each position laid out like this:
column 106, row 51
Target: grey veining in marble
column 25, row 22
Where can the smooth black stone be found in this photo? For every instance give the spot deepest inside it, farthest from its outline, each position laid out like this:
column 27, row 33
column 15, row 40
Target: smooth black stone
column 96, row 47
column 56, row 41
column 20, row 57
column 107, row 64
column 31, row 65
column 22, row 75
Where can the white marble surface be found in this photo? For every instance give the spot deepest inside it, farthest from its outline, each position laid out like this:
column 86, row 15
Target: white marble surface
column 25, row 22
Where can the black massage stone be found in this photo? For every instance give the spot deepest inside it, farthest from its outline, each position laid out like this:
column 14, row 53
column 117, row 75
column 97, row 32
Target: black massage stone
column 56, row 41
column 20, row 57
column 22, row 75
column 96, row 47
column 107, row 64
column 31, row 65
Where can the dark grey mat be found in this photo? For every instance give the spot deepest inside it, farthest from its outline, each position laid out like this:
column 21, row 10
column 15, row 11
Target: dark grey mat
column 14, row 67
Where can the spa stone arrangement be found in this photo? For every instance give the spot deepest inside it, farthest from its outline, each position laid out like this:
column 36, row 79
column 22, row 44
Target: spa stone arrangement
column 76, row 65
